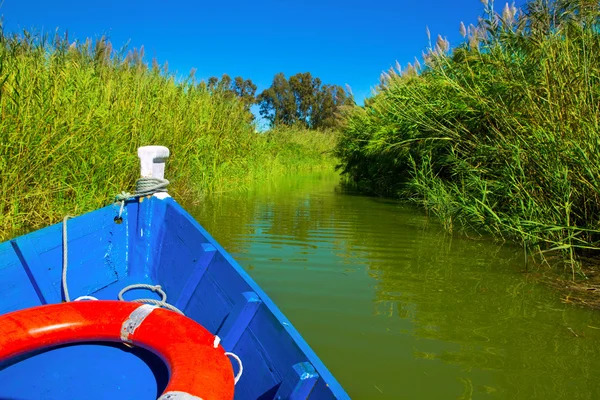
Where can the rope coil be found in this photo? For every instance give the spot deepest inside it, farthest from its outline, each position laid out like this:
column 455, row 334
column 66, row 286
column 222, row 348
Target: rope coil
column 154, row 288
column 146, row 186
column 143, row 187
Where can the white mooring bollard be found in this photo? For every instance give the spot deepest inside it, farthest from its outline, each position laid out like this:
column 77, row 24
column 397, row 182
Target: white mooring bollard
column 152, row 160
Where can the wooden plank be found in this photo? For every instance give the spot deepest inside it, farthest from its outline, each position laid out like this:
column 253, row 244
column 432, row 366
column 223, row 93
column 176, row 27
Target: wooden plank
column 92, row 223
column 259, row 379
column 48, row 290
column 17, row 287
column 194, row 279
column 276, row 341
column 96, row 255
column 239, row 319
column 298, row 383
column 208, row 305
column 179, row 247
column 228, row 277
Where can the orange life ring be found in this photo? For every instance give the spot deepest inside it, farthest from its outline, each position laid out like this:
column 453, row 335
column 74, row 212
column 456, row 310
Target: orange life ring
column 197, row 364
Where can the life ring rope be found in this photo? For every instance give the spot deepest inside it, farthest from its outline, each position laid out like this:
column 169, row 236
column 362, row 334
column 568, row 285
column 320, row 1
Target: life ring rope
column 237, row 358
column 230, row 354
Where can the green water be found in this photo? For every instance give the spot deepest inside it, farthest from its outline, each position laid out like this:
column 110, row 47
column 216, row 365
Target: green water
column 395, row 308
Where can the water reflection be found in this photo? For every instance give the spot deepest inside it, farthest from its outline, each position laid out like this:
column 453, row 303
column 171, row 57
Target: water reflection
column 396, row 308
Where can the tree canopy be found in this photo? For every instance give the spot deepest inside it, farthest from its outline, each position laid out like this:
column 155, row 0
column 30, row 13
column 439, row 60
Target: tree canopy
column 303, row 99
column 244, row 89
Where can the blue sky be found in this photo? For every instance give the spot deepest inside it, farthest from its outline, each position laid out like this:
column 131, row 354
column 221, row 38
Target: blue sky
column 342, row 42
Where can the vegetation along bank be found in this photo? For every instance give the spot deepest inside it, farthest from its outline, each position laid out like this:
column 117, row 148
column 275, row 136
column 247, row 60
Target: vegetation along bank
column 498, row 135
column 74, row 114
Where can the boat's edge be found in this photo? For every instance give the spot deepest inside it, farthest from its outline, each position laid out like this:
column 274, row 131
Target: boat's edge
column 331, row 382
column 317, row 363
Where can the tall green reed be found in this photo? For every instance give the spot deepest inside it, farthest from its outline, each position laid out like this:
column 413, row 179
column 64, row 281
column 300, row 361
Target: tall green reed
column 497, row 135
column 72, row 116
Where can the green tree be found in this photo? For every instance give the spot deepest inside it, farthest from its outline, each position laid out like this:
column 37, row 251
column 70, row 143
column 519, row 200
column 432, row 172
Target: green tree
column 239, row 87
column 245, row 90
column 278, row 103
column 306, row 90
column 302, row 100
column 329, row 100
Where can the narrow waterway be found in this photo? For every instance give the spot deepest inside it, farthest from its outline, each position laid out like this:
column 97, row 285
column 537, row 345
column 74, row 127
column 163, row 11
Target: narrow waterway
column 396, row 308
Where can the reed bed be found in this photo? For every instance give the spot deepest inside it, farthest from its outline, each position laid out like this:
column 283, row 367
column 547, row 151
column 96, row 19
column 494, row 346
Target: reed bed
column 74, row 114
column 499, row 135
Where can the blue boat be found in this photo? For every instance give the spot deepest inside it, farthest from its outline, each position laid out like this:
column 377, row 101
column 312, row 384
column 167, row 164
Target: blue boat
column 143, row 251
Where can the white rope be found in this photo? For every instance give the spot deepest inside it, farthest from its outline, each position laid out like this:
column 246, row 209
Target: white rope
column 154, row 288
column 121, row 209
column 143, row 187
column 216, row 343
column 239, row 374
column 65, row 259
column 146, row 186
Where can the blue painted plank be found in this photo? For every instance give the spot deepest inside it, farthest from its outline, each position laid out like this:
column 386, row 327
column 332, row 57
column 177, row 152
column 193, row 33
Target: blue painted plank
column 238, row 321
column 153, row 226
column 49, row 238
column 259, row 379
column 48, row 290
column 323, row 391
column 15, row 286
column 228, row 277
column 298, row 383
column 201, row 265
column 135, row 219
column 276, row 342
column 208, row 305
column 96, row 254
column 181, row 247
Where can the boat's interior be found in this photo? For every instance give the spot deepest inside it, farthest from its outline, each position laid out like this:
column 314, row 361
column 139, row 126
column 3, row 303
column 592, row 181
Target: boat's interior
column 154, row 242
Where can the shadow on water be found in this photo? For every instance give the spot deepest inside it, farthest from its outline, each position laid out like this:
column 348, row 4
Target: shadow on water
column 396, row 308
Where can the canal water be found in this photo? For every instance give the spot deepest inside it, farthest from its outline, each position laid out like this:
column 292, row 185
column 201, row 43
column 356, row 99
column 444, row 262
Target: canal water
column 396, row 308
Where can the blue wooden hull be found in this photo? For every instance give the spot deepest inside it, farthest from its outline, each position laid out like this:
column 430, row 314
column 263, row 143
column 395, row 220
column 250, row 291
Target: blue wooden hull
column 157, row 242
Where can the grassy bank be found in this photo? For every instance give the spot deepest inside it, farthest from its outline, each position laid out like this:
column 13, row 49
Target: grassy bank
column 499, row 135
column 278, row 151
column 73, row 116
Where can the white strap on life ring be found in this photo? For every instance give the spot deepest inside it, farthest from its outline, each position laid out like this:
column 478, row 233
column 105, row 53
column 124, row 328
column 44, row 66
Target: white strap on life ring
column 134, row 320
